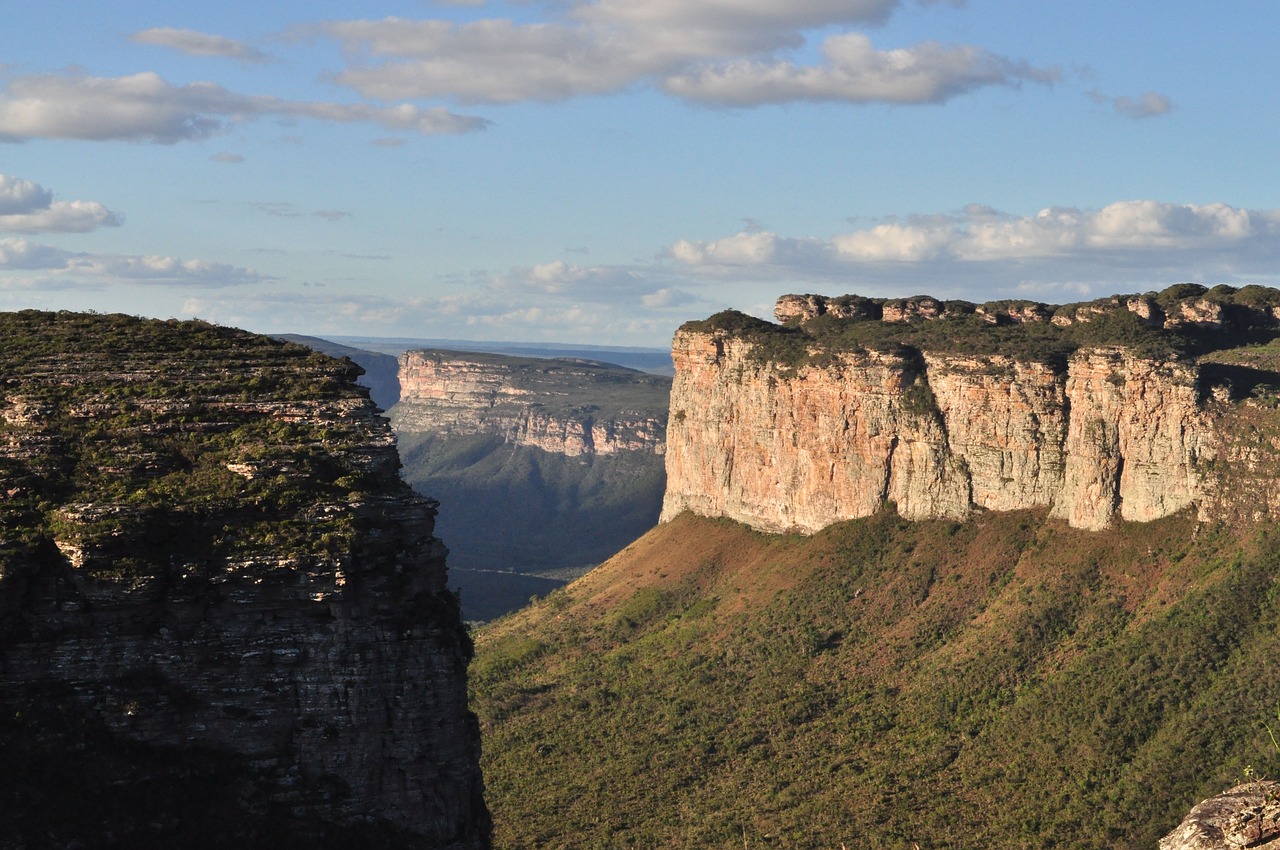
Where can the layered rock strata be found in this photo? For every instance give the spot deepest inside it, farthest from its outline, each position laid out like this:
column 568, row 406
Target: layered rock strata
column 793, row 436
column 555, row 405
column 216, row 596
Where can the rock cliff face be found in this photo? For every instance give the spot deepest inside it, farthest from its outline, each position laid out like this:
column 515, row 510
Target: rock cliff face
column 863, row 402
column 223, row 617
column 528, row 402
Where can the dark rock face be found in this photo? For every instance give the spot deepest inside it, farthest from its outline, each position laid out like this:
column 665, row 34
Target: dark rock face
column 223, row 617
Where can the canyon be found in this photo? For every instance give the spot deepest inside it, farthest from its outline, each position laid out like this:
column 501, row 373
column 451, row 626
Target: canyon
column 568, row 407
column 1128, row 409
column 563, row 456
column 224, row 618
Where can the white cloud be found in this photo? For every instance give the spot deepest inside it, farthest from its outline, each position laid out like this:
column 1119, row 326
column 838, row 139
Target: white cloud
column 144, row 107
column 27, row 207
column 194, row 43
column 713, row 51
column 754, row 15
column 856, row 72
column 18, row 196
column 564, row 282
column 1147, row 105
column 1122, row 241
column 21, row 255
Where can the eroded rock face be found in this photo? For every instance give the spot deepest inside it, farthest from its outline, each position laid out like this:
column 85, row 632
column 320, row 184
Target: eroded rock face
column 1107, row 435
column 1245, row 816
column 218, row 598
column 462, row 393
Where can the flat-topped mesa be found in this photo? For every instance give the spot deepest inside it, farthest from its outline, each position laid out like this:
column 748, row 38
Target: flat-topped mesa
column 557, row 405
column 1126, row 408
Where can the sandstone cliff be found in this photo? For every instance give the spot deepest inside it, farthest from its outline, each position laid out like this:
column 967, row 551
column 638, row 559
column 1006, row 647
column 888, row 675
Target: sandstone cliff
column 563, row 406
column 944, row 408
column 223, row 617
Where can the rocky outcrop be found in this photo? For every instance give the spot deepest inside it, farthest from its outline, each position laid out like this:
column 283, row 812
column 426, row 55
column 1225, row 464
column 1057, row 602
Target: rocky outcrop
column 787, row 430
column 1245, row 816
column 560, row 406
column 220, row 608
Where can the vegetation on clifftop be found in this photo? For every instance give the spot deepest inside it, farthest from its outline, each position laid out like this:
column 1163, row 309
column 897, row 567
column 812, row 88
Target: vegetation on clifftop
column 111, row 421
column 1217, row 318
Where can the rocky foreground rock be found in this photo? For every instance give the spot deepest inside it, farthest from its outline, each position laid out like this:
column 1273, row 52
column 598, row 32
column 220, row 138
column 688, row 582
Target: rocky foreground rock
column 1247, row 815
column 223, row 617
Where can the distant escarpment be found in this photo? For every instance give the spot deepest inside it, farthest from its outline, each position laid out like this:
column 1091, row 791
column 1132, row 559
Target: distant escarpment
column 223, row 617
column 544, row 466
column 569, row 407
column 1126, row 408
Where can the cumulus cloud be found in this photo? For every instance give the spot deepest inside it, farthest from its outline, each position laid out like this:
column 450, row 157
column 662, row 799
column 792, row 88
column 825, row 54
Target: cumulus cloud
column 571, row 282
column 194, row 43
column 711, row 51
column 27, row 207
column 144, row 107
column 1118, row 241
column 18, row 196
column 856, row 72
column 22, row 255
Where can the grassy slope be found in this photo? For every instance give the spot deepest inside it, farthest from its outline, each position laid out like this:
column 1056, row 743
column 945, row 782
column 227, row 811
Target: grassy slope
column 1008, row 682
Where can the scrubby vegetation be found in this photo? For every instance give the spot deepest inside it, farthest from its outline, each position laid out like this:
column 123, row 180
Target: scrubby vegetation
column 1003, row 683
column 852, row 323
column 113, row 421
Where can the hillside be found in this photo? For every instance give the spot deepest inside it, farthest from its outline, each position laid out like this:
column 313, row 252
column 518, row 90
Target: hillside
column 1006, row 682
column 544, row 467
column 223, row 616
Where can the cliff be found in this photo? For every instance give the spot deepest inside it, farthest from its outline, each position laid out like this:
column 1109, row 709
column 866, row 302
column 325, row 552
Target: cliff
column 381, row 371
column 565, row 456
column 223, row 617
column 1122, row 409
column 570, row 407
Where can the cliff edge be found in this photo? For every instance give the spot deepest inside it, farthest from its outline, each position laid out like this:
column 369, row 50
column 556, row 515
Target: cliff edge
column 1126, row 408
column 223, row 617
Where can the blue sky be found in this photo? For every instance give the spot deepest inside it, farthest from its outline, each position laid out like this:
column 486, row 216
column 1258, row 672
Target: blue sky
column 598, row 171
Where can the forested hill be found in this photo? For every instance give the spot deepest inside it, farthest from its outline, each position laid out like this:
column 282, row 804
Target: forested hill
column 1007, row 682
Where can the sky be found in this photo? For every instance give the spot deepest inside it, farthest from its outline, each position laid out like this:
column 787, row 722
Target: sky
column 600, row 171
